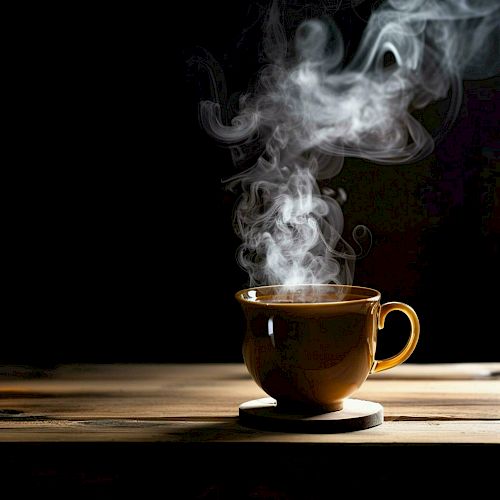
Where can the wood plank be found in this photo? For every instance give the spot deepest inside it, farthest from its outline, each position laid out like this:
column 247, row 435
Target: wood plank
column 225, row 371
column 187, row 391
column 199, row 403
column 229, row 431
column 400, row 402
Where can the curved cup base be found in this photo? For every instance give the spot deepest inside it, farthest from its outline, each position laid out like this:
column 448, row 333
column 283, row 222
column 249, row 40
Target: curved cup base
column 292, row 407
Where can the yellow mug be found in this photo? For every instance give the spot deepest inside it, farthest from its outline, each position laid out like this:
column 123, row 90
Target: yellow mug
column 312, row 346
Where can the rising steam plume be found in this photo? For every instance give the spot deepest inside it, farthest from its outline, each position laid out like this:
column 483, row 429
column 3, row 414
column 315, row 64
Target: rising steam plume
column 311, row 109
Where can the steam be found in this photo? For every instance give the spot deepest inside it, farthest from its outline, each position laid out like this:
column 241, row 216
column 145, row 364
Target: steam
column 310, row 110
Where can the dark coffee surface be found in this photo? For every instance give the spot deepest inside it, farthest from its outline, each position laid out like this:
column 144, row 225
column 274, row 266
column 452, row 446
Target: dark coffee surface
column 309, row 298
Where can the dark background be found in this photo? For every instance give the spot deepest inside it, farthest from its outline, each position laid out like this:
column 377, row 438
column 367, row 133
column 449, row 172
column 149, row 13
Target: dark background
column 117, row 229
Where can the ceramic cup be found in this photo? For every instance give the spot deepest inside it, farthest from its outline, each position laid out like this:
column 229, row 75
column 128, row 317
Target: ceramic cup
column 312, row 346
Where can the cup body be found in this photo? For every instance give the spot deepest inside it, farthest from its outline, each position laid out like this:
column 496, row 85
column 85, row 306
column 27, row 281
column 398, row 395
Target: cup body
column 310, row 346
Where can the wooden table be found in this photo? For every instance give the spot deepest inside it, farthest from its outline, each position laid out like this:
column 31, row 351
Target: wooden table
column 109, row 428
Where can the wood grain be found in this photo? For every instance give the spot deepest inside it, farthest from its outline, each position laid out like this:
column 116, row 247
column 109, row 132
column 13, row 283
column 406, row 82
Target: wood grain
column 199, row 403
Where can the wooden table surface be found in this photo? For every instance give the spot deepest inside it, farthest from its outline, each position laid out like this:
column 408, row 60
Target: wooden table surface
column 189, row 407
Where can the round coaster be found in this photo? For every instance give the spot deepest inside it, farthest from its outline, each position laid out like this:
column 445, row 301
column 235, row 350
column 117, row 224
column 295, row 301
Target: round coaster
column 357, row 414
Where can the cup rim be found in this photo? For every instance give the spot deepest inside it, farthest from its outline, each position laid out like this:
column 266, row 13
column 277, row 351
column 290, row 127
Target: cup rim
column 242, row 296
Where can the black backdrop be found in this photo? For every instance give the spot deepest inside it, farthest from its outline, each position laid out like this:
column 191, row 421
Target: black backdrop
column 117, row 229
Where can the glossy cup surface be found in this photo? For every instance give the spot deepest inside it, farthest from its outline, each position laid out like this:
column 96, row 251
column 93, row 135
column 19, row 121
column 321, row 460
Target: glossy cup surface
column 312, row 353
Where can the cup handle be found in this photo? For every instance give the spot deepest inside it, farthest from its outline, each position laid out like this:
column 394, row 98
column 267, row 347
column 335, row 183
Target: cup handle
column 385, row 309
